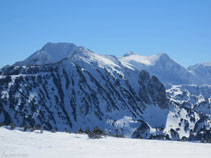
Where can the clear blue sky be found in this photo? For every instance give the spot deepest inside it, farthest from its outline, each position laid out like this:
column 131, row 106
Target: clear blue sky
column 180, row 28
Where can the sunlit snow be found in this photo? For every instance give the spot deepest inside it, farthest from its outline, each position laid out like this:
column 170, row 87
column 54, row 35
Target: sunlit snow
column 35, row 144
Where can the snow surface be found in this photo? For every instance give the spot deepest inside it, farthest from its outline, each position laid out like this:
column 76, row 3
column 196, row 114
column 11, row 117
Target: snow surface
column 16, row 143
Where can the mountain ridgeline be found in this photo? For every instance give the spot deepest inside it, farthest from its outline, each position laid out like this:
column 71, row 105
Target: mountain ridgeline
column 65, row 87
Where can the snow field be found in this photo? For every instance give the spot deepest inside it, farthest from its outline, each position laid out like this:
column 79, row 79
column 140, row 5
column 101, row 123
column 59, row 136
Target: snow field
column 16, row 143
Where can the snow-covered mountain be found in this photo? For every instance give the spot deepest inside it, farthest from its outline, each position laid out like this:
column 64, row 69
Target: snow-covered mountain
column 82, row 89
column 49, row 53
column 201, row 72
column 161, row 65
column 168, row 70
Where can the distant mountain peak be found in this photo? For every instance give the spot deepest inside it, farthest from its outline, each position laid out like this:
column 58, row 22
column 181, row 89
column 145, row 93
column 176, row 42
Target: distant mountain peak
column 51, row 45
column 199, row 66
column 161, row 65
column 163, row 55
column 206, row 64
column 58, row 48
column 129, row 53
column 49, row 53
column 84, row 49
column 146, row 60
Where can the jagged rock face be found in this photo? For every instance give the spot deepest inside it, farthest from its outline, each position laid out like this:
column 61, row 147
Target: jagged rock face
column 152, row 88
column 142, row 131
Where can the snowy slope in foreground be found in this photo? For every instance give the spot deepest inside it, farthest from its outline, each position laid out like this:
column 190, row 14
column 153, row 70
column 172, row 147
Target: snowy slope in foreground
column 34, row 144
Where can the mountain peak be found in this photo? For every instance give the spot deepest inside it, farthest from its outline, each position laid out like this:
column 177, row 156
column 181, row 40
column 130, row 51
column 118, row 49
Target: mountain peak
column 199, row 66
column 49, row 53
column 163, row 55
column 206, row 64
column 129, row 53
column 146, row 60
column 50, row 46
